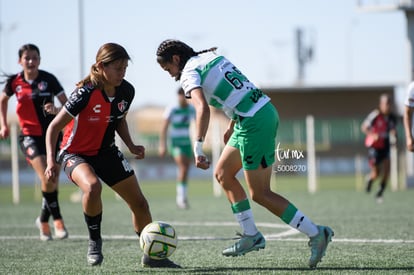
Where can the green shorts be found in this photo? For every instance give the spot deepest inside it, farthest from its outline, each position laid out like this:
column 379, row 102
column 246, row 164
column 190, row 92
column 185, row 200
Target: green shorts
column 255, row 137
column 181, row 150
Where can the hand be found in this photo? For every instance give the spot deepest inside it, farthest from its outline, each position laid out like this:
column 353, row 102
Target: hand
column 4, row 132
column 138, row 151
column 202, row 162
column 50, row 171
column 50, row 108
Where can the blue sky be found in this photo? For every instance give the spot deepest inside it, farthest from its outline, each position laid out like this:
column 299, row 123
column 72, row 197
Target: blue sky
column 350, row 47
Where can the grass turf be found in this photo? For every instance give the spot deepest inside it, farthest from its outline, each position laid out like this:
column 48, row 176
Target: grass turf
column 369, row 238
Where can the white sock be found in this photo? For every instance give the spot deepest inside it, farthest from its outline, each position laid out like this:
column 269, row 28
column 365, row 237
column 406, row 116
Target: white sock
column 246, row 221
column 304, row 224
column 181, row 189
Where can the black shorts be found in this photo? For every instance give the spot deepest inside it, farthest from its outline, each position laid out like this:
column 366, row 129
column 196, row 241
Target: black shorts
column 33, row 146
column 377, row 156
column 110, row 165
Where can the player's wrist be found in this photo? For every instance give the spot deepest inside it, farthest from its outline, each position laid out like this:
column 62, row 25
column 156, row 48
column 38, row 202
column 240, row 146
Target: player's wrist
column 198, row 148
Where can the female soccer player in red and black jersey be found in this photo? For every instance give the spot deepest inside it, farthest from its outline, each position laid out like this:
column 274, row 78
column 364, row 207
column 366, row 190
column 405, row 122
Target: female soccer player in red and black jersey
column 35, row 91
column 94, row 112
column 380, row 130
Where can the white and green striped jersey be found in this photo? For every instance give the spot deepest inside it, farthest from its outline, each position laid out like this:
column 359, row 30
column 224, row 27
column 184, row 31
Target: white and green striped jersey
column 224, row 86
column 179, row 127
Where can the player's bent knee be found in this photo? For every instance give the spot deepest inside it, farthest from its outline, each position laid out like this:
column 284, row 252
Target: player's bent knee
column 92, row 189
column 221, row 176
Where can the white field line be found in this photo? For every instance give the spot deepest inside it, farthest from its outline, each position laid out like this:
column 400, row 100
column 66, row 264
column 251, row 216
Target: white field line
column 215, row 238
column 281, row 236
column 207, row 238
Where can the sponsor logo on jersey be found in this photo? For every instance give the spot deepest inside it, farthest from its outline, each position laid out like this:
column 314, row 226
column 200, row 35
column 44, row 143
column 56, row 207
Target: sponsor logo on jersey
column 94, row 118
column 97, row 108
column 18, row 88
column 122, row 105
column 42, row 85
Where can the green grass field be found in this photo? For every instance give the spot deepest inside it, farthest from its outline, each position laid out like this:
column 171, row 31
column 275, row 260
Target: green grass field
column 370, row 238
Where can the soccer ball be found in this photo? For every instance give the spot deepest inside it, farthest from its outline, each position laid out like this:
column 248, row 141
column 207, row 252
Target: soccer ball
column 158, row 240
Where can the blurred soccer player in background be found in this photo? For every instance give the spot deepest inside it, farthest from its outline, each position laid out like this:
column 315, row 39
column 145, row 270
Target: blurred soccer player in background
column 380, row 130
column 175, row 135
column 35, row 91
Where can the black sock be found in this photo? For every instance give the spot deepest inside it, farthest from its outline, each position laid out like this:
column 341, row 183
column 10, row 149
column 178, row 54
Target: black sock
column 369, row 185
column 382, row 188
column 52, row 204
column 94, row 226
column 44, row 213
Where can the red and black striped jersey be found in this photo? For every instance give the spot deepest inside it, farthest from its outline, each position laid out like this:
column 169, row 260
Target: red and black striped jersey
column 381, row 125
column 95, row 118
column 31, row 98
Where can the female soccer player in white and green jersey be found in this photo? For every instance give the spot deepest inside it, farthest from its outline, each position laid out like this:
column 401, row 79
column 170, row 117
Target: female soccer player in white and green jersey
column 175, row 134
column 209, row 79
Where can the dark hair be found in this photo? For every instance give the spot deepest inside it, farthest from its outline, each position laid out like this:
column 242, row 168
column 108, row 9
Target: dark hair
column 180, row 91
column 6, row 78
column 28, row 47
column 386, row 97
column 106, row 54
column 170, row 47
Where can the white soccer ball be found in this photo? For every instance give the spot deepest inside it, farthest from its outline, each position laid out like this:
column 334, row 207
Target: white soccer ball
column 158, row 240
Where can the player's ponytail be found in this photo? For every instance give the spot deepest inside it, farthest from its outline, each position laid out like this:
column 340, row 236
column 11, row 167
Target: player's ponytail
column 212, row 49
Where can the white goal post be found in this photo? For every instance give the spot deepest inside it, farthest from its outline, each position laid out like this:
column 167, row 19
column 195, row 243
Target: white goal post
column 311, row 153
column 15, row 162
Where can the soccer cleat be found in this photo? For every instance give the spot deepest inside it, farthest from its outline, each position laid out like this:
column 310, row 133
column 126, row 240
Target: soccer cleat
column 60, row 230
column 379, row 196
column 44, row 229
column 318, row 245
column 146, row 261
column 245, row 245
column 183, row 204
column 95, row 256
column 379, row 199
